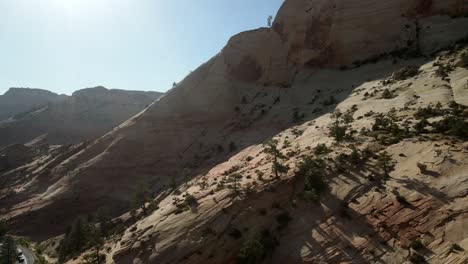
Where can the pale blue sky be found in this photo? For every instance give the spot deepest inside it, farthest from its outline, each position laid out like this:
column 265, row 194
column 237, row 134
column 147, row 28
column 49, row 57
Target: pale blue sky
column 66, row 45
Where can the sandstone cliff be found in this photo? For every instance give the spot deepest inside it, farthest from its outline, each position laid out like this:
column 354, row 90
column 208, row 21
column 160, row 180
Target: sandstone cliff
column 283, row 83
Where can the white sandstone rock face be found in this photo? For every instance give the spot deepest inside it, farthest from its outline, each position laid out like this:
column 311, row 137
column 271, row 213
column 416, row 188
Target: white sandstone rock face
column 334, row 33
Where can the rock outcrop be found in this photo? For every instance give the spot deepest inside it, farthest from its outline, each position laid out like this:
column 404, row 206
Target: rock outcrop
column 333, row 33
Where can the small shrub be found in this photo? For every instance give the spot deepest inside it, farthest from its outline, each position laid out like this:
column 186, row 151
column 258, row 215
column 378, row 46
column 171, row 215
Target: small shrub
column 312, row 171
column 454, row 126
column 416, row 245
column 417, row 259
column 387, row 94
column 321, row 149
column 191, row 201
column 385, row 162
column 257, row 247
column 405, row 73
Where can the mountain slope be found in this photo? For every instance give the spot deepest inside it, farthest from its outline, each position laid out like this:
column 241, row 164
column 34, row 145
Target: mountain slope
column 20, row 100
column 362, row 215
column 261, row 84
column 85, row 115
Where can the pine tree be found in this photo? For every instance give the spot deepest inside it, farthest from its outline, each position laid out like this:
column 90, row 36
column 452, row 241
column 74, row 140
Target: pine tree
column 271, row 148
column 8, row 251
column 140, row 198
column 385, row 161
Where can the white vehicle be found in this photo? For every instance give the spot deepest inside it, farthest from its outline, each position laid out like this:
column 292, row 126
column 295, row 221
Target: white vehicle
column 20, row 256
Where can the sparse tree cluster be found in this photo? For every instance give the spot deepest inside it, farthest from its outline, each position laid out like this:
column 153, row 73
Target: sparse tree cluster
column 80, row 236
column 341, row 126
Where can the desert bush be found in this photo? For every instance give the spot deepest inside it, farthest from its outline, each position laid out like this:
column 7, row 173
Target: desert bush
column 454, row 126
column 416, row 244
column 429, row 111
column 321, row 149
column 312, row 170
column 417, row 259
column 405, row 73
column 420, row 127
column 190, row 200
column 386, row 94
column 385, row 162
column 256, row 248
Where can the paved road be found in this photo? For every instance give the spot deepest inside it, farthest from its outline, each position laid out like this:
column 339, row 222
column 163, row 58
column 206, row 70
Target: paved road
column 28, row 255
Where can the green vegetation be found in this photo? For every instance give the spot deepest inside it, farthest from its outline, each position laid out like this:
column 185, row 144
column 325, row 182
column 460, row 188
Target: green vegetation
column 417, row 259
column 256, row 248
column 429, row 111
column 387, row 131
column 321, row 149
column 453, row 126
column 386, row 94
column 385, row 162
column 235, row 179
column 191, row 201
column 416, row 245
column 312, row 171
column 140, row 198
column 405, row 73
column 8, row 251
column 340, row 127
column 80, row 236
column 355, row 157
column 271, row 148
column 453, row 122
